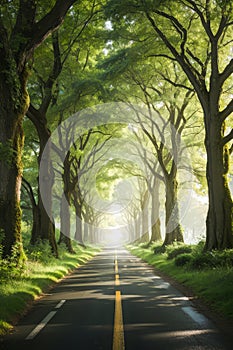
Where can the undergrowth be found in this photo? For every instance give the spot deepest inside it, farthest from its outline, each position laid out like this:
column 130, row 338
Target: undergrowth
column 208, row 274
column 21, row 284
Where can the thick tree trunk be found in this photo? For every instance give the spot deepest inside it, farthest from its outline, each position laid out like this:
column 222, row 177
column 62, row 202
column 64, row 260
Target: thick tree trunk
column 155, row 220
column 156, row 231
column 220, row 211
column 173, row 227
column 67, row 241
column 16, row 48
column 46, row 229
column 14, row 103
column 10, row 184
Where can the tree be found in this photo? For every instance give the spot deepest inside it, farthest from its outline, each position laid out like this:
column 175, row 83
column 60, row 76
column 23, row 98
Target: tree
column 153, row 179
column 209, row 76
column 200, row 43
column 45, row 88
column 163, row 117
column 17, row 44
column 89, row 150
column 150, row 174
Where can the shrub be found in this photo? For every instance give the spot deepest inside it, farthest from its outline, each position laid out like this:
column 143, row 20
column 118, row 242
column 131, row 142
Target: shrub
column 213, row 259
column 40, row 252
column 202, row 261
column 11, row 267
column 144, row 245
column 225, row 258
column 159, row 249
column 183, row 259
column 174, row 251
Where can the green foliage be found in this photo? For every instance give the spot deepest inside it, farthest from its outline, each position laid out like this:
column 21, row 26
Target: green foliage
column 39, row 274
column 174, row 250
column 183, row 259
column 158, row 248
column 144, row 245
column 193, row 257
column 212, row 260
column 213, row 284
column 12, row 267
column 40, row 252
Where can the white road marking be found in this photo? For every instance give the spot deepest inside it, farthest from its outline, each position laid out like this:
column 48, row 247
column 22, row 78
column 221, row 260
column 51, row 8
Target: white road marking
column 44, row 322
column 60, row 304
column 196, row 316
column 40, row 326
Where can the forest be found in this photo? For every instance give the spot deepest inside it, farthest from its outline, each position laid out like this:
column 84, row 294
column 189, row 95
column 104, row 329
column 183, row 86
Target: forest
column 115, row 127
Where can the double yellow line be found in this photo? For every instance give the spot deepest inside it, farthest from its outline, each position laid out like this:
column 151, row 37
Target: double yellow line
column 118, row 330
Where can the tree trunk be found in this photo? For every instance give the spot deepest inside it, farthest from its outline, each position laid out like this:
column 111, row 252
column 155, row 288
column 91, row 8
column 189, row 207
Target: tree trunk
column 138, row 226
column 35, row 212
column 92, row 233
column 35, row 225
column 86, row 228
column 14, row 103
column 78, row 232
column 173, row 228
column 10, row 184
column 220, row 211
column 131, row 230
column 65, row 224
column 156, row 231
column 145, row 216
column 47, row 227
column 16, row 48
column 86, row 236
column 155, row 220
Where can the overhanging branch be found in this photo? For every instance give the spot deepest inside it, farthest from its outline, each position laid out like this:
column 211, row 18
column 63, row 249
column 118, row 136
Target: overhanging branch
column 227, row 138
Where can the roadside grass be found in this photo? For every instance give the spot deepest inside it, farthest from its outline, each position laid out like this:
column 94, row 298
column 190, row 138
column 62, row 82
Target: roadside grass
column 40, row 272
column 212, row 284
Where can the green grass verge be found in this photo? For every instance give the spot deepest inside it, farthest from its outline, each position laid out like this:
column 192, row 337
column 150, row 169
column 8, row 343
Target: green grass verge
column 213, row 285
column 38, row 275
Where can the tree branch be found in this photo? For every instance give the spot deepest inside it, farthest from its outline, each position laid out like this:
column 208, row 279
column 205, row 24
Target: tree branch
column 227, row 138
column 206, row 24
column 29, row 190
column 50, row 22
column 227, row 111
column 57, row 68
column 193, row 75
column 226, row 73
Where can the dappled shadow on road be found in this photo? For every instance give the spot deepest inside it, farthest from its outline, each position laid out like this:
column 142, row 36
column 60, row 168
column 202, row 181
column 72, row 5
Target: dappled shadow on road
column 156, row 315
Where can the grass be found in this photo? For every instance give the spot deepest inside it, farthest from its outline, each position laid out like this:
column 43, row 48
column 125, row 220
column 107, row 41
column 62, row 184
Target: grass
column 40, row 272
column 214, row 285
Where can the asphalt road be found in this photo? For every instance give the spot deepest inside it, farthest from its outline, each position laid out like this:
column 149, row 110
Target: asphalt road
column 114, row 302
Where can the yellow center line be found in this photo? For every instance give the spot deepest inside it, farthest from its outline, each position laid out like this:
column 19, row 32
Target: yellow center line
column 117, row 280
column 116, row 266
column 118, row 331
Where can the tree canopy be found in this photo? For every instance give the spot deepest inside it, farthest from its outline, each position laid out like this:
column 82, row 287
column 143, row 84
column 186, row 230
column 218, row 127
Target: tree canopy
column 116, row 116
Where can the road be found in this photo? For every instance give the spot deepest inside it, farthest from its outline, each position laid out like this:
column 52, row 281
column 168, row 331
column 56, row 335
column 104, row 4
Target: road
column 114, row 302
